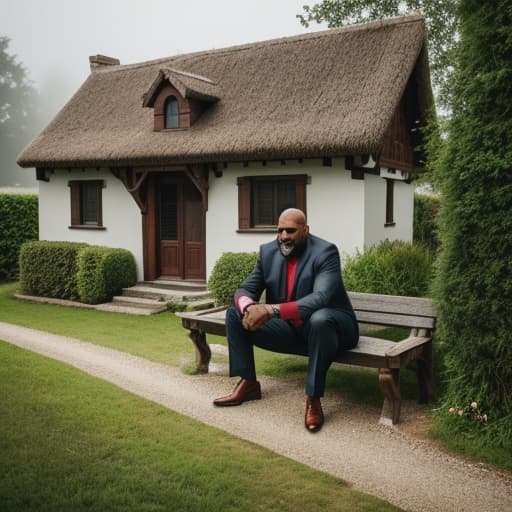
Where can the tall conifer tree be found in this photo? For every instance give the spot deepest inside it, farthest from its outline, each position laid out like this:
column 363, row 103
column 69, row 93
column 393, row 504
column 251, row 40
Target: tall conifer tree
column 474, row 285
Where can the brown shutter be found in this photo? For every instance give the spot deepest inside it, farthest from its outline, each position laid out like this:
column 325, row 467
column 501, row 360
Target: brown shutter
column 244, row 203
column 100, row 203
column 74, row 188
column 390, row 192
column 300, row 192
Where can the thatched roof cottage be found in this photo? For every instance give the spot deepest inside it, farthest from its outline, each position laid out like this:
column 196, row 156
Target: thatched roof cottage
column 182, row 158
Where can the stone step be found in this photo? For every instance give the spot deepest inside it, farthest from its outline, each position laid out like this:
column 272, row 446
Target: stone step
column 130, row 309
column 161, row 295
column 199, row 286
column 165, row 294
column 138, row 302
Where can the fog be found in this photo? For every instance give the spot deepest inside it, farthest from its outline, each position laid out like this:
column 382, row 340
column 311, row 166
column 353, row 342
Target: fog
column 53, row 39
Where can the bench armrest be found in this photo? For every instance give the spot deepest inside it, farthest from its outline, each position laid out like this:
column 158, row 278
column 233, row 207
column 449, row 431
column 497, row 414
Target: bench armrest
column 406, row 345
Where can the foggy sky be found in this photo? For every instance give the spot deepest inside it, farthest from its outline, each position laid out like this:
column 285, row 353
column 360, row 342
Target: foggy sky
column 54, row 38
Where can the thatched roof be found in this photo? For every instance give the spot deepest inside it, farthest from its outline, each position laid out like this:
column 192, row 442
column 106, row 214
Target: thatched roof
column 328, row 93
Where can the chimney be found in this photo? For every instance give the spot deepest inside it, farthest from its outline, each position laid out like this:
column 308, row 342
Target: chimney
column 100, row 61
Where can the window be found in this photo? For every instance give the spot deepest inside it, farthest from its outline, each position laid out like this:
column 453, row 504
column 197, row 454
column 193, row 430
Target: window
column 172, row 116
column 86, row 205
column 262, row 199
column 390, row 193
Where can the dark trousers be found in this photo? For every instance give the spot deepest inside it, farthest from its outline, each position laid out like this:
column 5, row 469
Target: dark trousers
column 327, row 333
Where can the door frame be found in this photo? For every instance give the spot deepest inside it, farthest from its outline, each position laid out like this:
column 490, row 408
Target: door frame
column 151, row 240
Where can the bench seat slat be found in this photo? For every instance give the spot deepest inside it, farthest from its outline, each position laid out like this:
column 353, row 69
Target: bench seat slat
column 370, row 352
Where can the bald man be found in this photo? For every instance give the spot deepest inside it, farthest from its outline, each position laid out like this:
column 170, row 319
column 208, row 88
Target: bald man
column 307, row 312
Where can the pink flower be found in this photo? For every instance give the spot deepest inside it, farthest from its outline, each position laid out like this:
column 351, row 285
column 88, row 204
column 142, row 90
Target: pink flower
column 474, row 405
column 451, row 410
column 461, row 412
column 484, row 418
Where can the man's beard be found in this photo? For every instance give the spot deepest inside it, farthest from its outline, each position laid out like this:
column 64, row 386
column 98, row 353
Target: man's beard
column 291, row 248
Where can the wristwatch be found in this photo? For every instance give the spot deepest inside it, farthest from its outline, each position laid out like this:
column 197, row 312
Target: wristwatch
column 275, row 310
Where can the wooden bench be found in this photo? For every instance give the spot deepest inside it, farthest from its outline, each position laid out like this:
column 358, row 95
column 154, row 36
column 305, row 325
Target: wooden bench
column 389, row 357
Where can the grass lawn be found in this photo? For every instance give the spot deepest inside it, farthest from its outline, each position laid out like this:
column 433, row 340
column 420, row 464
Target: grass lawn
column 69, row 441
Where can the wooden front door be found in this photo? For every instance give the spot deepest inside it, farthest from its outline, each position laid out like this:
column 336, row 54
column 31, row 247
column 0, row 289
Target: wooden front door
column 181, row 236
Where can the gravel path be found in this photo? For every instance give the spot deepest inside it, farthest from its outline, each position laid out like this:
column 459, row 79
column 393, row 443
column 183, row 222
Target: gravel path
column 379, row 460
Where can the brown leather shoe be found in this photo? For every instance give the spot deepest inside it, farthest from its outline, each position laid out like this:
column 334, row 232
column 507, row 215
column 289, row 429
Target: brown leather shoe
column 244, row 391
column 314, row 415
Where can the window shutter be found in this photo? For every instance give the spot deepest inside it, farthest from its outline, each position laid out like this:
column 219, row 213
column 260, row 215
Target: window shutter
column 300, row 192
column 244, row 203
column 74, row 188
column 390, row 192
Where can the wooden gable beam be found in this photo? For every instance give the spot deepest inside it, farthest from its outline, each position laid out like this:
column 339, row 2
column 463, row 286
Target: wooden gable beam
column 133, row 181
column 199, row 177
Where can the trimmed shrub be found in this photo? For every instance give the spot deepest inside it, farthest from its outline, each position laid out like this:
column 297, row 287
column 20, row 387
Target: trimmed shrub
column 229, row 272
column 103, row 272
column 390, row 268
column 18, row 224
column 48, row 269
column 425, row 225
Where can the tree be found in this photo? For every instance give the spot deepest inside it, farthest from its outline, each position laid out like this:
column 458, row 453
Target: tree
column 474, row 282
column 440, row 19
column 17, row 109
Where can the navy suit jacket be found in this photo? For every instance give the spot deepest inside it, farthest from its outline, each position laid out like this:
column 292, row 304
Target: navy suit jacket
column 318, row 281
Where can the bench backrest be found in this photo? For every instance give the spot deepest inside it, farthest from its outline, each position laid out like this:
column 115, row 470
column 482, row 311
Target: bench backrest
column 385, row 310
column 392, row 310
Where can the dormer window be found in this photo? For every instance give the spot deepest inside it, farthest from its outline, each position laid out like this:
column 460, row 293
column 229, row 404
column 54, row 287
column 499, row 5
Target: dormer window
column 172, row 114
column 179, row 98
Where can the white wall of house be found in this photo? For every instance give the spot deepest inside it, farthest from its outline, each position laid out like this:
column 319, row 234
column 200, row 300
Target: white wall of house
column 334, row 204
column 375, row 211
column 121, row 216
column 346, row 211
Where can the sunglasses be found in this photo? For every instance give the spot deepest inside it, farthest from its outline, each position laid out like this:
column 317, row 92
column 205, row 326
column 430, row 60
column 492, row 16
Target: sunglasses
column 290, row 231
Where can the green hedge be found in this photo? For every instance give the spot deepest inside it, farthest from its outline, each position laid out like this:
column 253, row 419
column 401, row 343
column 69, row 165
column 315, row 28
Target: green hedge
column 48, row 269
column 75, row 271
column 103, row 272
column 229, row 272
column 425, row 225
column 473, row 288
column 18, row 224
column 390, row 268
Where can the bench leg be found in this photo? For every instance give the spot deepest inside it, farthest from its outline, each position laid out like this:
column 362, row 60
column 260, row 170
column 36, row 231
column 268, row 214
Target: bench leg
column 424, row 374
column 203, row 352
column 389, row 380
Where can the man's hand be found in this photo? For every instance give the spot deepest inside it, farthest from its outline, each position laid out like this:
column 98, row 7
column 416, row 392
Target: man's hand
column 256, row 315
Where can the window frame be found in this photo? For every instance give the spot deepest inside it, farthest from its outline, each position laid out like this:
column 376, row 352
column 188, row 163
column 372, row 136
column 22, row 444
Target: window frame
column 246, row 213
column 77, row 196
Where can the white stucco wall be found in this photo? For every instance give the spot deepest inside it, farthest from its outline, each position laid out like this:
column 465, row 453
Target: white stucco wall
column 346, row 211
column 334, row 206
column 121, row 216
column 375, row 211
